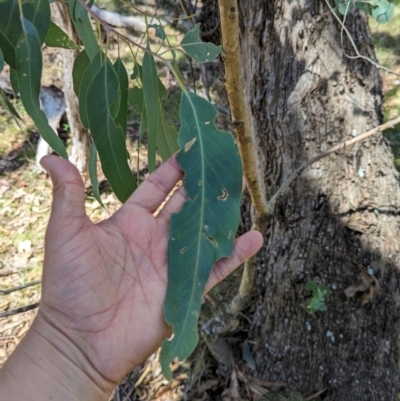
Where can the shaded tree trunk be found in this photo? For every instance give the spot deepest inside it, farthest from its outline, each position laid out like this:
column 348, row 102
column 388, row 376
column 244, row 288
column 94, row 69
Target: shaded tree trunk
column 340, row 219
column 80, row 136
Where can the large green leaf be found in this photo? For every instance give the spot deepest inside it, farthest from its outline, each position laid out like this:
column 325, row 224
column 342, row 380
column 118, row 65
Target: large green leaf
column 10, row 29
column 82, row 24
column 198, row 50
column 109, row 137
column 56, row 37
column 87, row 78
column 29, row 71
column 1, row 60
column 38, row 13
column 80, row 65
column 123, row 85
column 151, row 94
column 204, row 230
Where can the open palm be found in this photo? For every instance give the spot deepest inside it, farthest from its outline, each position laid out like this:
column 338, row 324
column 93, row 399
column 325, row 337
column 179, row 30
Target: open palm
column 104, row 284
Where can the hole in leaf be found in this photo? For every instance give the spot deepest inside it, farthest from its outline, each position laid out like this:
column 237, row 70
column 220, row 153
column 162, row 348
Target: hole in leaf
column 224, row 195
column 183, row 250
column 189, row 145
column 211, row 239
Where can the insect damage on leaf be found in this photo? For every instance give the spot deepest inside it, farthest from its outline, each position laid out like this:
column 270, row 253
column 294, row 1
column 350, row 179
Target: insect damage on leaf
column 201, row 233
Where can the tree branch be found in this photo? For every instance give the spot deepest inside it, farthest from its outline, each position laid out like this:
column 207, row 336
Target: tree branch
column 340, row 146
column 20, row 287
column 19, row 310
column 234, row 86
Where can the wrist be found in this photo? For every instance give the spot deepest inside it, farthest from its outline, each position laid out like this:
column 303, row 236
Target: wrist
column 48, row 365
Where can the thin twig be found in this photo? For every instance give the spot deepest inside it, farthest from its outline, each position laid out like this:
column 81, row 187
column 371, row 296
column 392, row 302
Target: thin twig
column 240, row 120
column 358, row 54
column 20, row 287
column 340, row 146
column 19, row 310
column 109, row 28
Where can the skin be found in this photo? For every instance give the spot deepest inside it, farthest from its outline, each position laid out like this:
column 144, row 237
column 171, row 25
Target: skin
column 101, row 310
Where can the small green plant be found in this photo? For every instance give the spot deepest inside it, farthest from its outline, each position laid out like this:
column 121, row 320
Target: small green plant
column 381, row 10
column 320, row 294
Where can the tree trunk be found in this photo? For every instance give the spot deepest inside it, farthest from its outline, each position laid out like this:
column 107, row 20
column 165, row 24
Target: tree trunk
column 80, row 136
column 339, row 222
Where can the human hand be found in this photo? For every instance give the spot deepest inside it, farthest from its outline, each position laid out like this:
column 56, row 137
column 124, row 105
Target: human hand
column 104, row 284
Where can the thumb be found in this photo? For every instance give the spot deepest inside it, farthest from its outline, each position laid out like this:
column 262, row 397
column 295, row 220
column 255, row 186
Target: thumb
column 68, row 189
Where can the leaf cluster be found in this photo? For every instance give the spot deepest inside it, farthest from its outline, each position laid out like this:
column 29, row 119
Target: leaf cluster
column 381, row 10
column 320, row 293
column 204, row 230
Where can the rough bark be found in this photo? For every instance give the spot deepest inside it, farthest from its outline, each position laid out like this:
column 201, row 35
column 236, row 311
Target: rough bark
column 340, row 217
column 80, row 136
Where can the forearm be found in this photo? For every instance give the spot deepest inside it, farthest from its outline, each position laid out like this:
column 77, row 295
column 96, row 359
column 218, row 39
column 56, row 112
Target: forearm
column 45, row 366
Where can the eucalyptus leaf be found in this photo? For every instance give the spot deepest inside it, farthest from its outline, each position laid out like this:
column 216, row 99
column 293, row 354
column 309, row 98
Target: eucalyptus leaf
column 14, row 81
column 87, row 78
column 7, row 105
column 1, row 60
column 108, row 137
column 38, row 13
column 80, row 65
column 8, row 50
column 82, row 24
column 151, row 95
column 122, row 75
column 135, row 99
column 198, row 50
column 383, row 12
column 10, row 29
column 56, row 37
column 204, row 230
column 159, row 30
column 167, row 137
column 361, row 5
column 136, row 72
column 29, row 70
column 93, row 173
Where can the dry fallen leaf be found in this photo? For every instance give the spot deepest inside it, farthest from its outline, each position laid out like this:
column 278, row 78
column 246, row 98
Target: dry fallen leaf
column 367, row 284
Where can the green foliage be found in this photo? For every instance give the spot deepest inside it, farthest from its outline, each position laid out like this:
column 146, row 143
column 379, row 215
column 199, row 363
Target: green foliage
column 198, row 50
column 1, row 60
column 56, row 37
column 103, row 101
column 122, row 75
column 80, row 65
column 204, row 231
column 151, row 95
column 159, row 31
column 81, row 21
column 38, row 13
column 93, row 172
column 213, row 185
column 320, row 293
column 7, row 105
column 29, row 69
column 381, row 10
